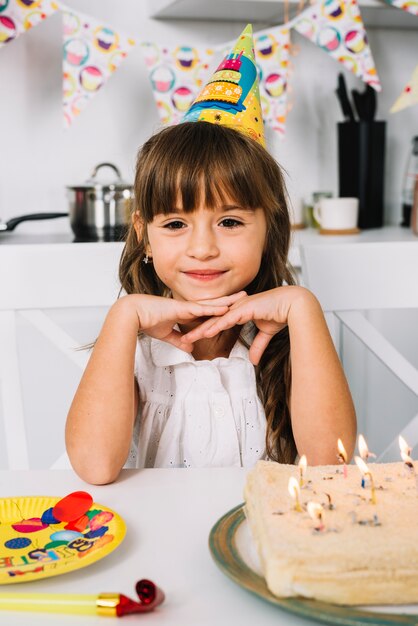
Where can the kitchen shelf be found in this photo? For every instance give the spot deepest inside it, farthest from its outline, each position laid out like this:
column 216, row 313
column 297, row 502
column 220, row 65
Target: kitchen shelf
column 376, row 13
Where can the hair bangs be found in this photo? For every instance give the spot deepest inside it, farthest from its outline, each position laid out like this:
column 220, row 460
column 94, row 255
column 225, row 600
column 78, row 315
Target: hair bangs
column 200, row 167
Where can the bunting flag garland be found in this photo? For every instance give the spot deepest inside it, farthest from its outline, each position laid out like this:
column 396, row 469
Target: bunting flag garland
column 409, row 95
column 92, row 51
column 19, row 16
column 177, row 74
column 407, row 5
column 337, row 28
column 272, row 58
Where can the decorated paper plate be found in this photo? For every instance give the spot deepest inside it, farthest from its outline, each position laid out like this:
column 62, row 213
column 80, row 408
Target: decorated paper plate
column 44, row 536
column 234, row 552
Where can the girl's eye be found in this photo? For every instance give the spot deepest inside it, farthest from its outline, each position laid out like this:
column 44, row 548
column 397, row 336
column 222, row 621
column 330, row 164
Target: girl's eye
column 174, row 225
column 229, row 222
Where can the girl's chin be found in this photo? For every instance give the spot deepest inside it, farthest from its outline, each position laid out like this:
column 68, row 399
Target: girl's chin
column 200, row 294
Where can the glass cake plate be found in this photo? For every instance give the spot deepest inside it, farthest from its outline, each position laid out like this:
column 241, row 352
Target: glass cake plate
column 234, row 552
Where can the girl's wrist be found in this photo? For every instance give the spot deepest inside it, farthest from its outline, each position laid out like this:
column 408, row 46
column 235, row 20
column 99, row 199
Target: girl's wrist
column 126, row 310
column 303, row 304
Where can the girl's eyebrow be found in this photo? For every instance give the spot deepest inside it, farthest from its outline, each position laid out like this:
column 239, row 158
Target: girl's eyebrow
column 222, row 209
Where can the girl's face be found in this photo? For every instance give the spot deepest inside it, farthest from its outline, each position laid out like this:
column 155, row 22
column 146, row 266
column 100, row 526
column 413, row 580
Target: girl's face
column 207, row 253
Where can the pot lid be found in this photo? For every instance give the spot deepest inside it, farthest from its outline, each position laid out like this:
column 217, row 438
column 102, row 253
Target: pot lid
column 93, row 182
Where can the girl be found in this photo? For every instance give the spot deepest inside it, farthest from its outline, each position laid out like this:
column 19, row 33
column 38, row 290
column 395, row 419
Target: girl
column 214, row 357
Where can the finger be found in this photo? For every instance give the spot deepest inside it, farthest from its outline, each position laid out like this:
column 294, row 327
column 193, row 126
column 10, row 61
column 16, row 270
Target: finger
column 232, row 318
column 225, row 300
column 205, row 310
column 191, row 310
column 214, row 326
column 176, row 339
column 200, row 331
column 260, row 343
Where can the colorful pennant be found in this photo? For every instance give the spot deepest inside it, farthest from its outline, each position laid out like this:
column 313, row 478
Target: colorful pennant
column 337, row 28
column 409, row 95
column 92, row 51
column 272, row 58
column 177, row 74
column 407, row 5
column 19, row 16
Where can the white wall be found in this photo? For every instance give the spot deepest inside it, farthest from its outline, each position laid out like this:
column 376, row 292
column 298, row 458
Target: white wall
column 38, row 157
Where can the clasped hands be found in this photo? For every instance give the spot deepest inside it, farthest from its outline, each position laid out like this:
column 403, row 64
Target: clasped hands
column 269, row 310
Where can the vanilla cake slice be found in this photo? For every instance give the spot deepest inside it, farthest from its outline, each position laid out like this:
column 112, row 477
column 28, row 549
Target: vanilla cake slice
column 364, row 554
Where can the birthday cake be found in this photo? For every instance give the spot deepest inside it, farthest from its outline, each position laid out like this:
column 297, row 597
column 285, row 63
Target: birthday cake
column 360, row 548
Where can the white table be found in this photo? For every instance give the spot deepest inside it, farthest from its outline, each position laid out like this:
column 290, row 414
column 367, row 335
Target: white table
column 169, row 514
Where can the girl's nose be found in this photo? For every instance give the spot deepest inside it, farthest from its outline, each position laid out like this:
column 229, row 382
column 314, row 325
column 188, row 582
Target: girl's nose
column 202, row 244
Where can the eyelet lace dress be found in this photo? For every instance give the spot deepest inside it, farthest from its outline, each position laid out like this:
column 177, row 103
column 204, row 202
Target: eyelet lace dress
column 196, row 413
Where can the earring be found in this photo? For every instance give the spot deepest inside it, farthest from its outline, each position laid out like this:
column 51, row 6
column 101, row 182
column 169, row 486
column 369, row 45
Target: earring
column 146, row 259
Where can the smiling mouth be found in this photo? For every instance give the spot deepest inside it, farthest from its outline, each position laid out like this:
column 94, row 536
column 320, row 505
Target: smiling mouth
column 205, row 274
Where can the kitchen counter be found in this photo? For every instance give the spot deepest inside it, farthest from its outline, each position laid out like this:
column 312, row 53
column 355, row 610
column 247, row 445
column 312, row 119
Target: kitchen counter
column 307, row 236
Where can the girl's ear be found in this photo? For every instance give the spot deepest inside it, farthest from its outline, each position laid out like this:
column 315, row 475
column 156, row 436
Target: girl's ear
column 138, row 226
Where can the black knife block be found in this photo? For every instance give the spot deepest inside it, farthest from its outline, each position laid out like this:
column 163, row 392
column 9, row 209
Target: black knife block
column 361, row 162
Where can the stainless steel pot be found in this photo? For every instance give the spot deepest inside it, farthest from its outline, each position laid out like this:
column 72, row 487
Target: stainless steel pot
column 100, row 211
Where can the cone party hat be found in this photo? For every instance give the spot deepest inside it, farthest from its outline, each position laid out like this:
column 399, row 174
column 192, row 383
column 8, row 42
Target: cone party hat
column 232, row 97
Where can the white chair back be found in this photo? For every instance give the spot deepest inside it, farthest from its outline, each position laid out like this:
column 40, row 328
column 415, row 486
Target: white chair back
column 36, row 281
column 354, row 281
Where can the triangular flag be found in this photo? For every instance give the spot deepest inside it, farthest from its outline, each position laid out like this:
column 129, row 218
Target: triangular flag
column 406, row 5
column 409, row 95
column 337, row 28
column 177, row 74
column 92, row 51
column 232, row 96
column 272, row 58
column 19, row 16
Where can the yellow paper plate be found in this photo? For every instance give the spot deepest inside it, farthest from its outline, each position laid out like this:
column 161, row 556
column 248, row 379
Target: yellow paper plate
column 52, row 550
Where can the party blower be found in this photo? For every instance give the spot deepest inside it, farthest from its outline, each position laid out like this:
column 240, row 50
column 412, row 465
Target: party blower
column 105, row 604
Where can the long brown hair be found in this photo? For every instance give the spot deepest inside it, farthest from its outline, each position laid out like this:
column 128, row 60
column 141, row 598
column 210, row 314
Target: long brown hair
column 183, row 162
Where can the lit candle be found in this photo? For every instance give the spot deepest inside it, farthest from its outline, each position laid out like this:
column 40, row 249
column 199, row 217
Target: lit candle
column 366, row 472
column 294, row 491
column 315, row 510
column 363, row 449
column 342, row 456
column 302, row 468
column 405, row 453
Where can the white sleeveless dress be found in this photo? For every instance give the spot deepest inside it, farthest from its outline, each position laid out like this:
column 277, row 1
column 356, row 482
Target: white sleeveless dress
column 196, row 413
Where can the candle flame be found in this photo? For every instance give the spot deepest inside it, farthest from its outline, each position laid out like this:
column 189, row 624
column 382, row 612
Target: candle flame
column 303, row 463
column 362, row 466
column 315, row 510
column 362, row 447
column 404, row 447
column 341, row 450
column 293, row 487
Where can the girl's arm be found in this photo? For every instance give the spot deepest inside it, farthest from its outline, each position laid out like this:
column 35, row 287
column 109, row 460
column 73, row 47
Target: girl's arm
column 320, row 401
column 100, row 421
column 320, row 405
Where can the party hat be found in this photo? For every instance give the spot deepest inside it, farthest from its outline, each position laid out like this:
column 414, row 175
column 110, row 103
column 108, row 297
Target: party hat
column 232, row 97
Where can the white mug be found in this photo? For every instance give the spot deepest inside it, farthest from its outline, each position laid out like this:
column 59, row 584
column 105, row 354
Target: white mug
column 337, row 213
column 296, row 210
